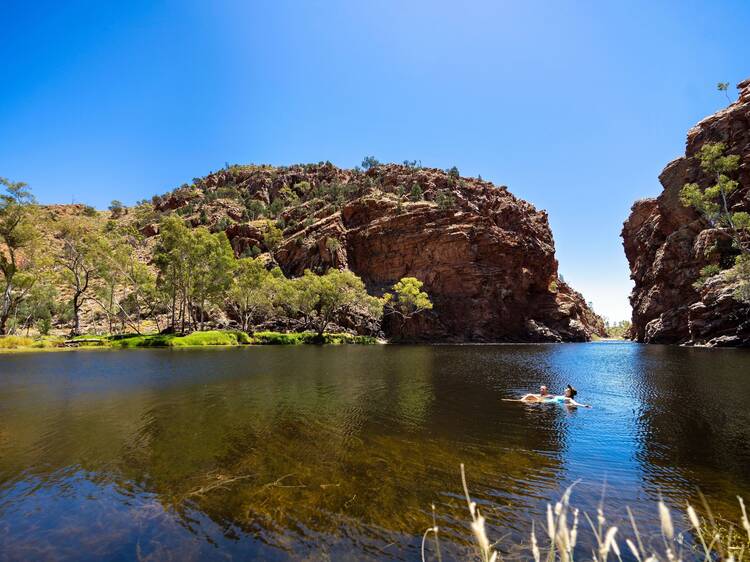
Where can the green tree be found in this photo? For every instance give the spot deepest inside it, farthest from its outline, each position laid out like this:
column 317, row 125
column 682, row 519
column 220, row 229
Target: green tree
column 38, row 309
column 724, row 87
column 444, row 200
column 321, row 299
column 105, row 292
column 17, row 235
column 79, row 263
column 416, row 192
column 370, row 162
column 117, row 209
column 272, row 236
column 400, row 194
column 121, row 278
column 407, row 299
column 143, row 299
column 741, row 273
column 211, row 260
column 255, row 209
column 713, row 205
column 172, row 260
column 620, row 329
column 332, row 245
column 712, row 202
column 255, row 292
column 195, row 269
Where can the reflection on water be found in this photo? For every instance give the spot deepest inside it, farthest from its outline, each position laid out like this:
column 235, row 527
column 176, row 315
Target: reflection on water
column 338, row 452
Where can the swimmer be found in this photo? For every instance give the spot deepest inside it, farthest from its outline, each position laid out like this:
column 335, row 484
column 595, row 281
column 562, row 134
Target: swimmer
column 568, row 398
column 543, row 396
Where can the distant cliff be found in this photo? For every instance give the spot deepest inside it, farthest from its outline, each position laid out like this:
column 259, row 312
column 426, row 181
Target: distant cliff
column 667, row 244
column 487, row 258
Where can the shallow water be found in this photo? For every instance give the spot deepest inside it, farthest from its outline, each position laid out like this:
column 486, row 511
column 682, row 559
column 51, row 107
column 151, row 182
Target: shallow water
column 338, row 452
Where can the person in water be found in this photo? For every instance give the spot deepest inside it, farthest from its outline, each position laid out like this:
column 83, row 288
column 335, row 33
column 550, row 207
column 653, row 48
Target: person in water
column 543, row 395
column 567, row 398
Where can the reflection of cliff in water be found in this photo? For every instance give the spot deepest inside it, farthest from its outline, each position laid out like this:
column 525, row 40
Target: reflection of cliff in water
column 694, row 423
column 308, row 445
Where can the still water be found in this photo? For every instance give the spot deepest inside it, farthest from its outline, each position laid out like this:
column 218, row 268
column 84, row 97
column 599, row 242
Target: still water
column 338, row 452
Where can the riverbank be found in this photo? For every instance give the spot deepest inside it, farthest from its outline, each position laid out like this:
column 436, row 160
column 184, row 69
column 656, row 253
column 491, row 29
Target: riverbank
column 216, row 338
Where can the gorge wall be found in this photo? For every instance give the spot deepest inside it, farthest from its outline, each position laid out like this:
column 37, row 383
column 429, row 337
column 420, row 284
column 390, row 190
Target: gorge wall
column 667, row 244
column 487, row 258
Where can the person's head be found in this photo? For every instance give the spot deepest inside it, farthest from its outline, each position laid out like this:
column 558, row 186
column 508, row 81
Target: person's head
column 543, row 390
column 570, row 392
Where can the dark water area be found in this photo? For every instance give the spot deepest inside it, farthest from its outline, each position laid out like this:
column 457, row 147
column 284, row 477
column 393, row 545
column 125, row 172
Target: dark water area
column 338, row 452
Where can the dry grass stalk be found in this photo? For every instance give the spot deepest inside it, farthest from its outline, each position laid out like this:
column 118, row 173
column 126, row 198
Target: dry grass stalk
column 716, row 541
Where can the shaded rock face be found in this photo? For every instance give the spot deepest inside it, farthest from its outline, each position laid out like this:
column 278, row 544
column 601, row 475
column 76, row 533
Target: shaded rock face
column 667, row 244
column 487, row 259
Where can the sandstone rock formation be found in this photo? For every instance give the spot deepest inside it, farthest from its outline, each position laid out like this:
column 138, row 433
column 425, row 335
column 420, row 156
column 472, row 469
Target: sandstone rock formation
column 667, row 244
column 487, row 258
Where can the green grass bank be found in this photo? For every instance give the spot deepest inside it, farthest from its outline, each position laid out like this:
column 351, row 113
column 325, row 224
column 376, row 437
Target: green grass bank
column 226, row 338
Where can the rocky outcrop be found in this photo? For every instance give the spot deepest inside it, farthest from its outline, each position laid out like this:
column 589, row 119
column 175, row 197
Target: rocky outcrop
column 486, row 258
column 667, row 244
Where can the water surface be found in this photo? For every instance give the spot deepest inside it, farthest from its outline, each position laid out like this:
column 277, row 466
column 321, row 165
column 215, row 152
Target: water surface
column 338, row 452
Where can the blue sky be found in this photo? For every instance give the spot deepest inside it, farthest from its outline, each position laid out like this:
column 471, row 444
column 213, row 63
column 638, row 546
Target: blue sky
column 575, row 105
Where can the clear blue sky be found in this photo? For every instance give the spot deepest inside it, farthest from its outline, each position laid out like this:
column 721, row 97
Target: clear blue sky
column 575, row 105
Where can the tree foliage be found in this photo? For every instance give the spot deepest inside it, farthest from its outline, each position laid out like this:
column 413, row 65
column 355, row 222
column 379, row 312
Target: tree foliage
column 195, row 268
column 105, row 273
column 17, row 236
column 713, row 203
column 79, row 262
column 255, row 294
column 272, row 236
column 117, row 209
column 407, row 299
column 723, row 87
column 320, row 299
column 369, row 162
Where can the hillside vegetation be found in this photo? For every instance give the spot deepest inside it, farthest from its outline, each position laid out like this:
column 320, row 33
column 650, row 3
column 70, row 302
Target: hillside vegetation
column 394, row 250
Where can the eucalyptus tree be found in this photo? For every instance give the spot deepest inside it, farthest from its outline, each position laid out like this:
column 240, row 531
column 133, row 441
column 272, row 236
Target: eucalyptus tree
column 79, row 262
column 171, row 258
column 195, row 268
column 321, row 299
column 407, row 299
column 17, row 235
column 714, row 204
column 713, row 201
column 255, row 293
column 210, row 266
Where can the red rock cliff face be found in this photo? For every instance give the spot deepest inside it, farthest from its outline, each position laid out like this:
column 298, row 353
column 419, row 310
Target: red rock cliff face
column 487, row 259
column 667, row 244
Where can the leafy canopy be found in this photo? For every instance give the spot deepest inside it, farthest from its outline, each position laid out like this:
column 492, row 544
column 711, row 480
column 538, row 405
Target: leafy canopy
column 408, row 298
column 255, row 293
column 321, row 299
column 712, row 202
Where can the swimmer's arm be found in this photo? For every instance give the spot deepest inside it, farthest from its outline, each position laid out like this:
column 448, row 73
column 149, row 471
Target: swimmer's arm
column 574, row 403
column 525, row 398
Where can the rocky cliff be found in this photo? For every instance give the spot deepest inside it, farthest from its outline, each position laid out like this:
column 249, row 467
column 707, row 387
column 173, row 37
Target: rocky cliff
column 487, row 258
column 667, row 244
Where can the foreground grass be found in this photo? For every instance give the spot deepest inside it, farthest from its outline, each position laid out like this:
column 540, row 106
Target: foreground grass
column 229, row 338
column 706, row 539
